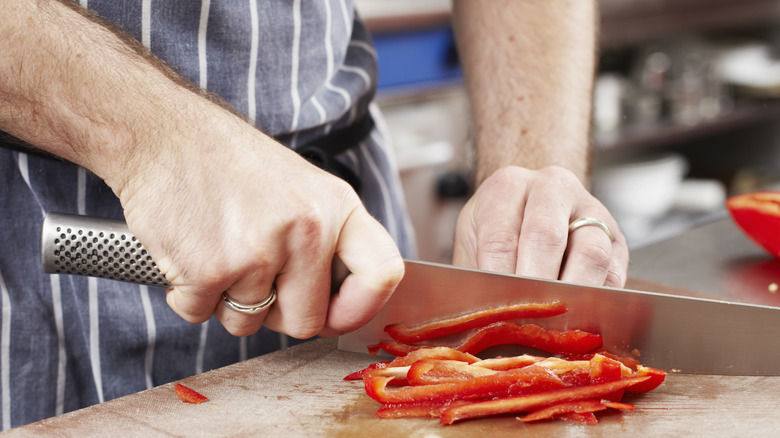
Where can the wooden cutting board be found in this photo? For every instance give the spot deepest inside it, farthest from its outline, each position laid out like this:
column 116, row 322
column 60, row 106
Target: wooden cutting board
column 300, row 392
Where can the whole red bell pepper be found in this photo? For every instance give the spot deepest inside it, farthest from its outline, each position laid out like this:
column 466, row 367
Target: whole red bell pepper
column 758, row 215
column 442, row 327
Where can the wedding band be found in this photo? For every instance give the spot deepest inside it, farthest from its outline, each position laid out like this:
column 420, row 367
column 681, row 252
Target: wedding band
column 589, row 221
column 251, row 309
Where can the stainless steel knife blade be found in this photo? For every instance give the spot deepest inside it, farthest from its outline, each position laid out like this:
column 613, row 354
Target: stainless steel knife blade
column 675, row 333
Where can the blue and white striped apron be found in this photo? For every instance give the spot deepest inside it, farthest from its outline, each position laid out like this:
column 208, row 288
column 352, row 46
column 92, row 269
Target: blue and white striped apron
column 298, row 69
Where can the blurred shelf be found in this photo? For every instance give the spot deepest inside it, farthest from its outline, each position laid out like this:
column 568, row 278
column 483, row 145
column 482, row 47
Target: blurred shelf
column 744, row 114
column 630, row 22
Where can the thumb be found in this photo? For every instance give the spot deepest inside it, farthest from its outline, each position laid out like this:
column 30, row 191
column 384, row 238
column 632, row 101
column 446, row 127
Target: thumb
column 375, row 267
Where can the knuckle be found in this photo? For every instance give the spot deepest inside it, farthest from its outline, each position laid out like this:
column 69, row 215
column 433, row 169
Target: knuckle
column 597, row 255
column 499, row 243
column 547, row 236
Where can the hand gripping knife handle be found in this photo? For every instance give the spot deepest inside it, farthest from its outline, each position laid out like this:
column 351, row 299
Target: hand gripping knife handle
column 96, row 247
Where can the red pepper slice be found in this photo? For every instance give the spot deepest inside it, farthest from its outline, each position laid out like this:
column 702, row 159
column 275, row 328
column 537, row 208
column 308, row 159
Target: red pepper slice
column 655, row 378
column 441, row 353
column 509, row 332
column 530, row 402
column 584, row 418
column 604, row 369
column 432, row 371
column 358, row 375
column 573, row 407
column 188, row 395
column 394, row 347
column 531, row 335
column 410, row 335
column 415, row 410
column 758, row 215
column 507, row 363
column 502, row 383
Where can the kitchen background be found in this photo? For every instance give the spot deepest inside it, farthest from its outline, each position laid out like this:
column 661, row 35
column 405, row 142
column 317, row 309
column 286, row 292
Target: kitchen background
column 686, row 111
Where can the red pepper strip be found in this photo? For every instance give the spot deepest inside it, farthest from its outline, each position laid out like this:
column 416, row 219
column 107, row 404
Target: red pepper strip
column 531, row 335
column 358, row 375
column 629, row 362
column 410, row 335
column 617, row 405
column 584, row 418
column 604, row 369
column 508, row 363
column 503, row 383
column 188, row 395
column 415, row 410
column 443, row 353
column 530, row 402
column 393, row 347
column 432, row 371
column 655, row 378
column 397, row 374
column 576, row 407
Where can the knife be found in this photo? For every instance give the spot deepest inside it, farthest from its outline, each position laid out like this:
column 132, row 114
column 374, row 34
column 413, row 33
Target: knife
column 675, row 333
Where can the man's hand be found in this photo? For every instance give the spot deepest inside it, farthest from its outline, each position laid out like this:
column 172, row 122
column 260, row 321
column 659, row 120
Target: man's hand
column 219, row 205
column 517, row 222
column 250, row 215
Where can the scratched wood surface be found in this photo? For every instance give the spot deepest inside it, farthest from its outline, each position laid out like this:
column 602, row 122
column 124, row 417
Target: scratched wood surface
column 300, row 392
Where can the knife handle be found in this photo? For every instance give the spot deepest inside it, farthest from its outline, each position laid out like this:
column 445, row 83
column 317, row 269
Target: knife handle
column 96, row 247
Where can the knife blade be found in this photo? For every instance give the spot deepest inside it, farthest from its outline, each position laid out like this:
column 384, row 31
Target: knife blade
column 680, row 334
column 671, row 332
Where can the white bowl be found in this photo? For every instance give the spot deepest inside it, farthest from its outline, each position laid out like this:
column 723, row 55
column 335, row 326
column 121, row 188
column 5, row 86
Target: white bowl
column 639, row 190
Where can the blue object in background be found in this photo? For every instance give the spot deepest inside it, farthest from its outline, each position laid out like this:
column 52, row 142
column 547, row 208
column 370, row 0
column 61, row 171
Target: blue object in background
column 417, row 59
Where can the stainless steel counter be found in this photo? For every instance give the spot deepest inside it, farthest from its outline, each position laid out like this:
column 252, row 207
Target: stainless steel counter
column 714, row 259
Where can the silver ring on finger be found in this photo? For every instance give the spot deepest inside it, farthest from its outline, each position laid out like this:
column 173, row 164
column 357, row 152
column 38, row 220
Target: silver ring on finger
column 589, row 221
column 252, row 309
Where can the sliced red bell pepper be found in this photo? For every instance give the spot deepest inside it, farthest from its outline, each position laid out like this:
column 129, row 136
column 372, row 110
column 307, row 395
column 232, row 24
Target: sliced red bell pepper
column 604, row 369
column 509, row 332
column 574, row 407
column 441, row 353
column 507, row 363
column 188, row 395
column 655, row 378
column 630, row 362
column 531, row 335
column 433, row 371
column 358, row 375
column 394, row 347
column 436, row 329
column 530, row 402
column 758, row 215
column 617, row 405
column 583, row 418
column 396, row 374
column 502, row 383
column 415, row 410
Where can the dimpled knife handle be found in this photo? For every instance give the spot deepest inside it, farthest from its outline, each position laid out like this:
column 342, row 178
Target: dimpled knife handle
column 96, row 247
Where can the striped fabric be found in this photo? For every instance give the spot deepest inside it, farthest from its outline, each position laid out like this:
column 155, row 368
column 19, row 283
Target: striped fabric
column 298, row 69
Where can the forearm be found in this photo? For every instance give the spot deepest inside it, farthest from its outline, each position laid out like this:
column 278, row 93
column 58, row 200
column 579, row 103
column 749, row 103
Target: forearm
column 529, row 70
column 80, row 90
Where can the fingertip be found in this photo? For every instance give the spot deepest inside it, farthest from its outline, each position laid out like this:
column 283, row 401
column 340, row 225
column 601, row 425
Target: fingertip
column 174, row 298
